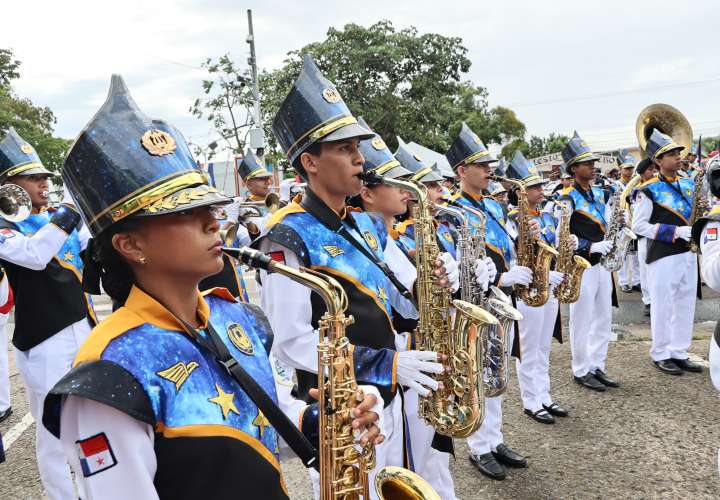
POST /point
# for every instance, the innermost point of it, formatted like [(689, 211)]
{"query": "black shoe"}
[(684, 364), (667, 366), (591, 382), (506, 456), (542, 416), (488, 466), (5, 414), (557, 410), (646, 312), (604, 379), (637, 288), (626, 288)]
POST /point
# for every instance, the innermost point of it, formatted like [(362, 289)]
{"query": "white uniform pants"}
[(489, 435), (673, 285), (40, 368), (533, 370), (629, 274), (389, 452), (4, 366), (591, 321), (432, 465), (715, 372), (642, 254)]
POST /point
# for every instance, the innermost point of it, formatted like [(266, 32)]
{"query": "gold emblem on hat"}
[(331, 95), (158, 142), (240, 339), (26, 148), (378, 143)]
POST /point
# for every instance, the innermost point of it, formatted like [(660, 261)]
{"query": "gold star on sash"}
[(178, 373), (261, 422), (225, 401), (381, 293), (68, 256)]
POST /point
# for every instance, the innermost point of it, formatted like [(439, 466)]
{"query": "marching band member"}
[(661, 215), (5, 407), (590, 316), (629, 274), (471, 161), (646, 170), (257, 180), (41, 255), (539, 324), (320, 137), (153, 407)]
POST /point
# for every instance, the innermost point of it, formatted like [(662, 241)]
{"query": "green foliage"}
[(536, 146), (402, 82), (227, 98), (35, 124)]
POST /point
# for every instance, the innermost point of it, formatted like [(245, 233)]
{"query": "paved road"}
[(655, 437)]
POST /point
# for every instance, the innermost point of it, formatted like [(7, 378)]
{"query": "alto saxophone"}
[(532, 253), (453, 410), (344, 465), (618, 234), (573, 266), (700, 205), (495, 363)]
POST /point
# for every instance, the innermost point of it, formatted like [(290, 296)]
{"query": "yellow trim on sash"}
[(684, 219), (592, 218), (291, 208)]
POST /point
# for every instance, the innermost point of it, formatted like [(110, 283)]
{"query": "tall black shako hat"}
[(522, 169), (420, 170), (17, 157), (467, 149), (313, 112), (659, 143), (576, 151), (125, 164), (378, 157), (251, 167)]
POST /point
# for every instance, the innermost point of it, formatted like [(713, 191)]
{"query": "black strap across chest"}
[(315, 207), (481, 206)]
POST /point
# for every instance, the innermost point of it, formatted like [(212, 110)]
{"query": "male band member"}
[(471, 161), (539, 323), (646, 170), (590, 316), (320, 137), (41, 255), (661, 215), (5, 407), (629, 274)]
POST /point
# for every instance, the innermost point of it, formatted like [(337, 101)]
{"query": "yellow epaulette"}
[(402, 227), (291, 208), (566, 190), (647, 182), (105, 332)]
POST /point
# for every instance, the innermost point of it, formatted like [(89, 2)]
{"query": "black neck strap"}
[(328, 218)]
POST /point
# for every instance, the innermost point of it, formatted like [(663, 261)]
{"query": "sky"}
[(560, 65)]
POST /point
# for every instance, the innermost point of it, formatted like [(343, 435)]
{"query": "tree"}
[(402, 82), (227, 102), (536, 146), (35, 124)]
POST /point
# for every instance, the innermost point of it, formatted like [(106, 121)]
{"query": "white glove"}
[(410, 368), (377, 409), (601, 247), (452, 273), (517, 275), (683, 233), (401, 341), (575, 241), (482, 277), (492, 270), (556, 278), (535, 229)]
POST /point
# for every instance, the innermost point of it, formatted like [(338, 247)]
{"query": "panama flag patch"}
[(95, 454), (711, 234)]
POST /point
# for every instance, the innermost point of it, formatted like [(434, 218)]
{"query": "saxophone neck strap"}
[(318, 209)]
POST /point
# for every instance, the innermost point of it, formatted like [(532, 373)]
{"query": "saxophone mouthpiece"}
[(250, 257)]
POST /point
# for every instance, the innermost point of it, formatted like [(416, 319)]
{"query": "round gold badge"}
[(158, 142), (378, 143), (331, 95), (26, 148), (240, 339)]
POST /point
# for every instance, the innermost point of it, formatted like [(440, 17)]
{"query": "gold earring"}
[(142, 260)]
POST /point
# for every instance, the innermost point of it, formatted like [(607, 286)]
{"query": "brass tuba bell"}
[(667, 120)]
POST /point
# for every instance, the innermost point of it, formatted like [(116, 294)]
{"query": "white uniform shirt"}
[(35, 252), (642, 210)]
